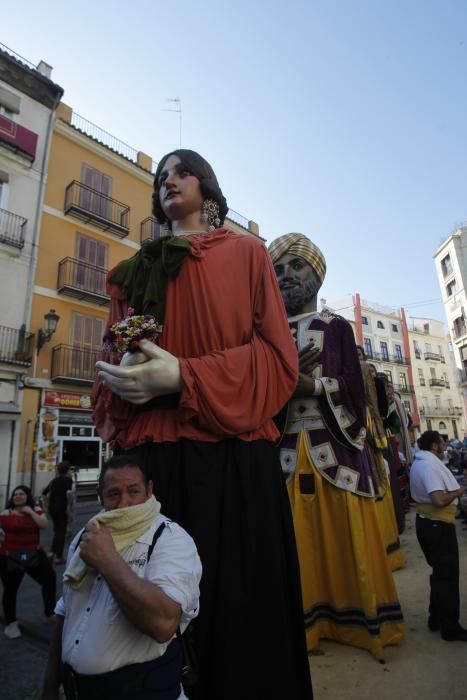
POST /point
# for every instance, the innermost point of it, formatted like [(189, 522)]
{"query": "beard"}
[(296, 298)]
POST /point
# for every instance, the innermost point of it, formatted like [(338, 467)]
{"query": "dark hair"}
[(427, 438), (27, 491), (359, 347), (207, 179), (63, 467), (120, 461)]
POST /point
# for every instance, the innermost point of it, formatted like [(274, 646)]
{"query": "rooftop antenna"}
[(177, 102)]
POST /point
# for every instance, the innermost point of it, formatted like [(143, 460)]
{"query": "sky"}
[(341, 119)]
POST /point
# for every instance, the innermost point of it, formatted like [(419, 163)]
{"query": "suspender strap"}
[(157, 534)]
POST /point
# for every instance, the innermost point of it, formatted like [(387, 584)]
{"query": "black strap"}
[(157, 534)]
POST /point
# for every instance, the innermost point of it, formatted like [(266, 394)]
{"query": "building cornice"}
[(29, 81)]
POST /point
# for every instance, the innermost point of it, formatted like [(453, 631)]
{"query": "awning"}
[(9, 411)]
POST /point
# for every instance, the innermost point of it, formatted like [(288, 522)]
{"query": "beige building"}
[(416, 356)]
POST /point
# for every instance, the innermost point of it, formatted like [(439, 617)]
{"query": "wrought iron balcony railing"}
[(150, 230), (434, 356), (12, 229), (404, 388), (73, 365), (386, 357), (82, 280), (442, 410), (434, 381), (16, 346), (91, 206)]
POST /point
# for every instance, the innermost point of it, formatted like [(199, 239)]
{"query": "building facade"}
[(28, 100), (97, 212), (451, 269), (416, 357)]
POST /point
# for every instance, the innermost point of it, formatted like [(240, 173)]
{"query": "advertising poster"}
[(47, 443)]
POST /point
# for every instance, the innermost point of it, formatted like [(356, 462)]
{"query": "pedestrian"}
[(21, 553), (436, 494), (132, 580), (58, 497), (348, 588), (200, 413)]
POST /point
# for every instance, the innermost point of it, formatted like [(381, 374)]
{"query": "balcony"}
[(434, 381), (93, 207), (72, 365), (386, 357), (82, 281), (12, 229), (404, 388), (434, 356), (442, 410), (16, 346), (17, 139), (150, 230)]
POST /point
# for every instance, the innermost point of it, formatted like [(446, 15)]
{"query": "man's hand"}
[(97, 547), (138, 384), (307, 358)]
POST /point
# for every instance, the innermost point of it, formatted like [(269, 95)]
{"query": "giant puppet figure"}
[(199, 412), (347, 585)]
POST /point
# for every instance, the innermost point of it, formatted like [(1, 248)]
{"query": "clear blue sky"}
[(342, 119)]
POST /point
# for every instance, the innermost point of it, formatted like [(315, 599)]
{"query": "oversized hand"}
[(307, 358), (97, 547), (305, 386), (140, 383)]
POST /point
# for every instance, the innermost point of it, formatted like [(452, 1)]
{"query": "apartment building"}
[(28, 99), (436, 382), (416, 356), (97, 211)]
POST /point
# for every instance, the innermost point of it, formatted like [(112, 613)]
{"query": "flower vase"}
[(133, 358)]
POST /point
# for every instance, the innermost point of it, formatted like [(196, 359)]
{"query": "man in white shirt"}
[(122, 604), (436, 494)]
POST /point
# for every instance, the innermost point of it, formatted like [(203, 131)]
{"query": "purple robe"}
[(334, 420)]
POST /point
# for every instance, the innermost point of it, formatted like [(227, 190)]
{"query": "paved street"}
[(424, 667)]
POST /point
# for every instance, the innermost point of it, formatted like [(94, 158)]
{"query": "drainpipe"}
[(10, 465)]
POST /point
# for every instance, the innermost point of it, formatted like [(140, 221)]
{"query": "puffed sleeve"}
[(236, 390)]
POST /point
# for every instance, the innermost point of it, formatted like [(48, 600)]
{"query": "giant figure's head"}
[(300, 270), (183, 181)]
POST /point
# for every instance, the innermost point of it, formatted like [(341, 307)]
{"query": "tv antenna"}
[(177, 103)]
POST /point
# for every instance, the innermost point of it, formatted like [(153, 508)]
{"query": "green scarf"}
[(144, 277)]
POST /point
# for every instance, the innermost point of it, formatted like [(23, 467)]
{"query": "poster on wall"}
[(47, 443)]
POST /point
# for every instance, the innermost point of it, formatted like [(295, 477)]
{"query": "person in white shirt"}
[(436, 494), (115, 633)]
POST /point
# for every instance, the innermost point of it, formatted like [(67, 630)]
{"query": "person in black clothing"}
[(57, 494)]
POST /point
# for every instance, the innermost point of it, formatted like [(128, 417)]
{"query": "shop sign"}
[(47, 443), (62, 399)]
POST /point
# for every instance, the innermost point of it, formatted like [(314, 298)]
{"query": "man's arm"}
[(52, 671), (440, 499), (145, 605)]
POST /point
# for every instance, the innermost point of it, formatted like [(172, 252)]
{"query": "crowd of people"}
[(258, 484)]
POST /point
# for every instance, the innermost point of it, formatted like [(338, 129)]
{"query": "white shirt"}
[(97, 637), (429, 474)]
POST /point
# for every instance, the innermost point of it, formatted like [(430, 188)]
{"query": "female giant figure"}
[(200, 411)]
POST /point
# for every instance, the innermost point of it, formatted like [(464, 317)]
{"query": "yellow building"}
[(97, 211)]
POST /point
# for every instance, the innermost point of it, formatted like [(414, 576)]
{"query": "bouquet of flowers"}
[(124, 336)]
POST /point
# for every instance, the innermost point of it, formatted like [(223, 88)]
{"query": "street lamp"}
[(43, 336)]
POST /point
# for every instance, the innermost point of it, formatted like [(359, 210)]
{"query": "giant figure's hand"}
[(138, 384), (306, 386), (307, 357)]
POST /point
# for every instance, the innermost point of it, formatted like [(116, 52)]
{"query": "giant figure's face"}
[(298, 282), (179, 190)]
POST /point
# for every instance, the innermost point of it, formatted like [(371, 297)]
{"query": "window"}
[(437, 402), (450, 403), (367, 347), (384, 349), (428, 424), (427, 347), (403, 380), (451, 288), (95, 198), (454, 428), (91, 275), (394, 328), (380, 324), (446, 266), (442, 425), (398, 350), (417, 351), (421, 378), (432, 372), (86, 339), (408, 407), (388, 374), (364, 321)]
